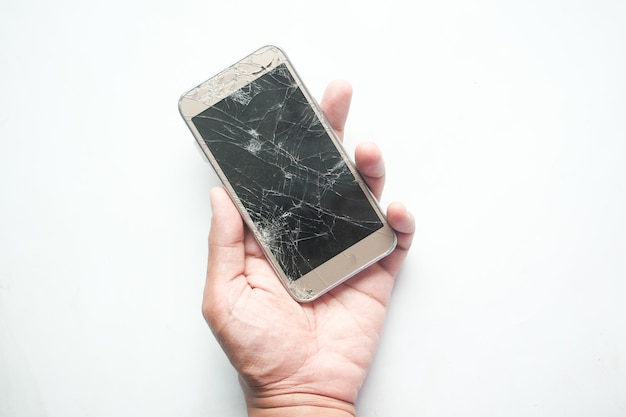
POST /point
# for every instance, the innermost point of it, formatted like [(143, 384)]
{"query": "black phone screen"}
[(299, 192)]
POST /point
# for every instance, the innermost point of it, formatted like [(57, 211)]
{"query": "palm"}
[(324, 347)]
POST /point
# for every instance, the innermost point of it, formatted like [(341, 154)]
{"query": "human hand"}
[(292, 358)]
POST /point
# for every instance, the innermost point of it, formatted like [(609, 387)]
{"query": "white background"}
[(503, 124)]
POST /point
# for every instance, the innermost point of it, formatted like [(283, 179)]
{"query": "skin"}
[(299, 359)]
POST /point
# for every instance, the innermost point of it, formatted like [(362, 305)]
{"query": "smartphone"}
[(287, 172)]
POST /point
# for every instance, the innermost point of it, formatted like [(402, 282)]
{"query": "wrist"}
[(299, 404)]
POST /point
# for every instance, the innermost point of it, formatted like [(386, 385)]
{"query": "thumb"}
[(226, 254)]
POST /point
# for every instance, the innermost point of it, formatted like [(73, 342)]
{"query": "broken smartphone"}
[(286, 171)]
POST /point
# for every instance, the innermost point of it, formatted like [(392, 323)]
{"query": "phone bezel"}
[(335, 270)]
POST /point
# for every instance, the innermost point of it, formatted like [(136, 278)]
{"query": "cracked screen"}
[(302, 197)]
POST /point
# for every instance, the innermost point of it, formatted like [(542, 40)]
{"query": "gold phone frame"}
[(335, 270)]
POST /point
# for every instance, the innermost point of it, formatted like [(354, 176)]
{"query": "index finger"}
[(336, 104)]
